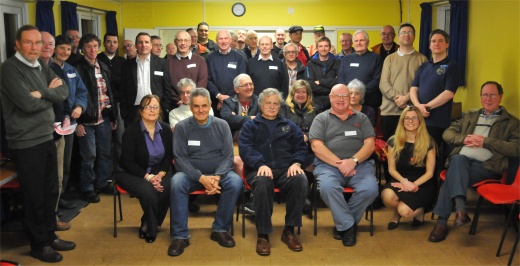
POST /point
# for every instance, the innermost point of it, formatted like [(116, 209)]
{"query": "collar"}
[(180, 57), (498, 112), (403, 54), (158, 127), (36, 63), (350, 112), (226, 52), (260, 58), (145, 60)]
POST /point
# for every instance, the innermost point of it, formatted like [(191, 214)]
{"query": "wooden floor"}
[(92, 232)]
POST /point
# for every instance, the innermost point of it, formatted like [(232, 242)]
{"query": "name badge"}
[(233, 66), (99, 76), (354, 64), (193, 142), (191, 65), (71, 75), (158, 73), (273, 67), (350, 133)]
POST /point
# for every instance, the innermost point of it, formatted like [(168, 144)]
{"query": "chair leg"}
[(298, 230), (315, 210), (115, 213), (505, 228), (372, 219), (473, 227), (514, 245), (243, 218)]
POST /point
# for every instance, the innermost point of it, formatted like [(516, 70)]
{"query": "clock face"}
[(238, 9)]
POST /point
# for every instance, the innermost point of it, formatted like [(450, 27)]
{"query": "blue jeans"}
[(462, 173), (230, 188), (331, 183), (95, 149)]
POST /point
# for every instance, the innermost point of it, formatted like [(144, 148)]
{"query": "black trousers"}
[(37, 169), (296, 189)]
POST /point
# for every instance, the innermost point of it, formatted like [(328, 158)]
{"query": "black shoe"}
[(307, 207), (338, 235), (108, 189), (416, 223), (142, 233), (91, 197), (393, 225), (59, 213), (66, 205), (47, 254), (62, 245), (150, 239), (223, 238), (349, 238), (177, 247), (248, 207)]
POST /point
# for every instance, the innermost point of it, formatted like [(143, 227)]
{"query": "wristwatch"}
[(218, 96), (355, 160)]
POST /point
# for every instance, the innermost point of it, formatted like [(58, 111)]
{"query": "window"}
[(89, 21), (443, 17)]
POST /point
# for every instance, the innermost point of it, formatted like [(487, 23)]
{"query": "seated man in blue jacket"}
[(273, 150)]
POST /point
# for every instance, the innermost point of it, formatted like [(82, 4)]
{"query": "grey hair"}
[(237, 79), (358, 85), (292, 44), (361, 31), (269, 92), (199, 92), (251, 32), (185, 82), (233, 35)]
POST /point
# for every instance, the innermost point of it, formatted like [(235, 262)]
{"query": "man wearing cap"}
[(387, 45), (319, 31), (295, 34)]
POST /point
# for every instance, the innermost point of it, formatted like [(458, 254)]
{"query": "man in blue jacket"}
[(273, 150)]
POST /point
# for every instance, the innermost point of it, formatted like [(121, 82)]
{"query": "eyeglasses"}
[(291, 52), (128, 45), (185, 92), (30, 43), (183, 40), (411, 119), (246, 85), (74, 37), (149, 107), (492, 96), (340, 96), (157, 45), (406, 33), (387, 34)]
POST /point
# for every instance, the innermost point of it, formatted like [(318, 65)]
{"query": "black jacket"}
[(236, 120), (324, 71), (87, 73)]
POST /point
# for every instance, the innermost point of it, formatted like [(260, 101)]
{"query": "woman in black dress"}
[(411, 162)]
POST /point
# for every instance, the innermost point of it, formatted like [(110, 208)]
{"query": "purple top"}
[(155, 146)]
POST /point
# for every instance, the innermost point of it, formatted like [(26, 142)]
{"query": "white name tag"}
[(273, 67), (99, 76), (191, 65), (71, 75), (354, 64), (350, 133), (233, 66), (158, 73), (193, 142)]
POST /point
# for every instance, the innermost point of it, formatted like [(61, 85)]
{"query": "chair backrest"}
[(517, 178), (381, 149)]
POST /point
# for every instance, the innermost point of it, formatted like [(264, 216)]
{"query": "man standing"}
[(223, 66), (196, 47), (346, 44), (241, 42), (251, 50), (28, 90), (171, 49), (319, 31), (483, 142), (267, 71), (280, 42), (295, 68), (75, 55), (147, 74), (273, 150), (434, 86), (156, 45), (295, 34), (365, 66), (396, 79), (322, 71), (203, 154), (387, 45), (129, 49), (202, 31), (185, 64), (47, 47), (343, 141)]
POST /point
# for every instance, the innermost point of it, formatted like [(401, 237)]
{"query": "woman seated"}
[(411, 161), (146, 165), (357, 94), (300, 109)]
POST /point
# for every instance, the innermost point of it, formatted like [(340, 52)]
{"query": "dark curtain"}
[(459, 35), (111, 22), (426, 29), (45, 17), (69, 17)]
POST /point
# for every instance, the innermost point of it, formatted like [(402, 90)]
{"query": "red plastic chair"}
[(499, 194)]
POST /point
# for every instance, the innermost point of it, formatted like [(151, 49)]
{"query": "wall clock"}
[(238, 9)]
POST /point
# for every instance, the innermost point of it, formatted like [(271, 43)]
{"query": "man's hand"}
[(295, 169), (36, 94), (265, 171), (65, 123), (346, 166), (80, 130), (401, 101), (474, 141), (56, 82), (210, 183), (317, 82), (222, 97), (76, 113), (113, 125), (422, 108)]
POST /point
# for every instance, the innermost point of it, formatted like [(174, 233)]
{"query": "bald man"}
[(387, 45)]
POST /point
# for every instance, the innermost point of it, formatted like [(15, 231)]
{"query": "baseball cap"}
[(319, 28)]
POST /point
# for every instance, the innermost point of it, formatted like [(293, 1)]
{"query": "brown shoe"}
[(291, 241), (263, 248), (438, 233), (62, 226), (461, 218)]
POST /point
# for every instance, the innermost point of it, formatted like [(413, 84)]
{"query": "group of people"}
[(297, 118)]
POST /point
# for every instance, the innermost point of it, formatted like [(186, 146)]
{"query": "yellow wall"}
[(493, 49)]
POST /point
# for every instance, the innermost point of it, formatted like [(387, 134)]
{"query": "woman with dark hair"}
[(411, 162), (146, 165)]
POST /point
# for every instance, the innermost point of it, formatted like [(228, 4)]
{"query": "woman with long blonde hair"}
[(411, 162)]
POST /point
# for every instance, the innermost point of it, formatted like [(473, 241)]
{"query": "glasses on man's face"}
[(185, 92), (128, 45), (246, 85), (30, 43), (340, 96), (157, 45), (411, 119), (74, 37), (150, 107), (406, 33), (291, 52), (387, 34), (486, 96)]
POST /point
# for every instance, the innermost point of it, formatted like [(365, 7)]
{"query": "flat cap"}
[(295, 28)]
